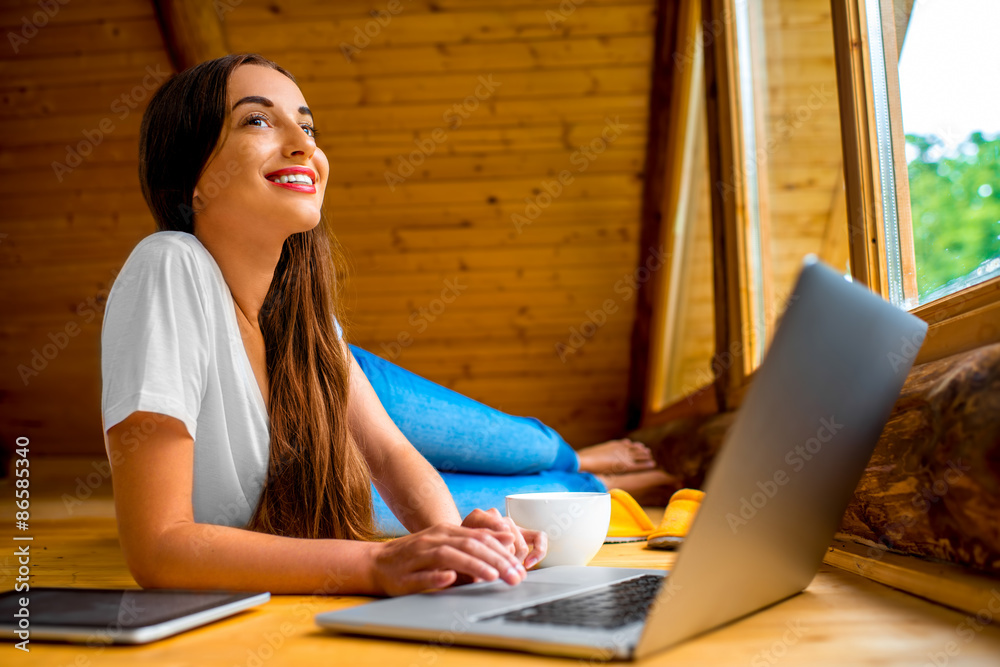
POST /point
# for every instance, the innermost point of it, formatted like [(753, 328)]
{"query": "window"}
[(792, 165), (674, 365), (921, 174), (778, 196), (949, 88), (819, 142), (776, 192), (687, 342)]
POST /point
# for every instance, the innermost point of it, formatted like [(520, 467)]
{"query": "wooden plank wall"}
[(449, 222), (72, 93), (556, 78)]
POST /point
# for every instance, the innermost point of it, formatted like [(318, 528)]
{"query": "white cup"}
[(576, 522)]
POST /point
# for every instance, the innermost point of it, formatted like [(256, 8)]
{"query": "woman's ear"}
[(197, 203)]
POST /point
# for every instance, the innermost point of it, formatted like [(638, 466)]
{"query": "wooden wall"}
[(67, 233), (560, 76)]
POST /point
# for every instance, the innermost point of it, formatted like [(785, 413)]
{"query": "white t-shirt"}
[(171, 345)]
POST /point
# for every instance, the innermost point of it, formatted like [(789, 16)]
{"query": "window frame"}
[(684, 107), (959, 322), (737, 343), (662, 190), (737, 295)]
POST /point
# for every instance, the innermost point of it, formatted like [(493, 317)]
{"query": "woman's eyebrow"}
[(263, 101)]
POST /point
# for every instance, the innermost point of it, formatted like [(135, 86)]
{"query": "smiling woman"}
[(222, 328), (243, 220)]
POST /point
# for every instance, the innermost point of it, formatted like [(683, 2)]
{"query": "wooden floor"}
[(841, 618)]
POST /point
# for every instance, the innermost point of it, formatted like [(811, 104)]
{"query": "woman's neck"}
[(248, 268)]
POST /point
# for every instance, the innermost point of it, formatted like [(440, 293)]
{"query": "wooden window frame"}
[(660, 199), (682, 109), (737, 345), (961, 321), (958, 323)]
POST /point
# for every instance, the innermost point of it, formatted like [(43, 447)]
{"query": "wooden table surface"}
[(840, 619)]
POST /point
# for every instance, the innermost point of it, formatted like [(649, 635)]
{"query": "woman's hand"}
[(525, 543), (438, 556)]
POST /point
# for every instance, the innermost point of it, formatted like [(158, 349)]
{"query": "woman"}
[(243, 434)]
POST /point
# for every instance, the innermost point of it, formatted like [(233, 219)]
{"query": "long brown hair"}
[(318, 483)]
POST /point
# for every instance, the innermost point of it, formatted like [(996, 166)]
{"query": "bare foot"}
[(615, 457), (651, 487)]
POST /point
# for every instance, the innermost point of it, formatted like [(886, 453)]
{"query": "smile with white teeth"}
[(291, 178)]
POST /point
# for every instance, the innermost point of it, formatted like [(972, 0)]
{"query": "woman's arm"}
[(152, 475), (407, 482)]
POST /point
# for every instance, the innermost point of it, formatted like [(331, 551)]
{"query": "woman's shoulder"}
[(167, 261), (169, 244), (168, 252)]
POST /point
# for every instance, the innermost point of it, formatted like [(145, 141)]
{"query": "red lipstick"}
[(308, 188)]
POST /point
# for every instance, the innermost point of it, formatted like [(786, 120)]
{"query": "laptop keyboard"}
[(610, 607)]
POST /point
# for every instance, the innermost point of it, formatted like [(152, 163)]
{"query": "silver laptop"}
[(774, 499)]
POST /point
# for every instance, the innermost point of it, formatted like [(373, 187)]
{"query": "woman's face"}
[(269, 136)]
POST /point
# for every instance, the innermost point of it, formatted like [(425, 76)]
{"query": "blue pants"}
[(482, 454)]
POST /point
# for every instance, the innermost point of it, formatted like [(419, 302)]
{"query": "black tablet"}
[(114, 615)]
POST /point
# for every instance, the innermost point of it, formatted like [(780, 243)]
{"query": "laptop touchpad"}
[(495, 594), (523, 590)]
